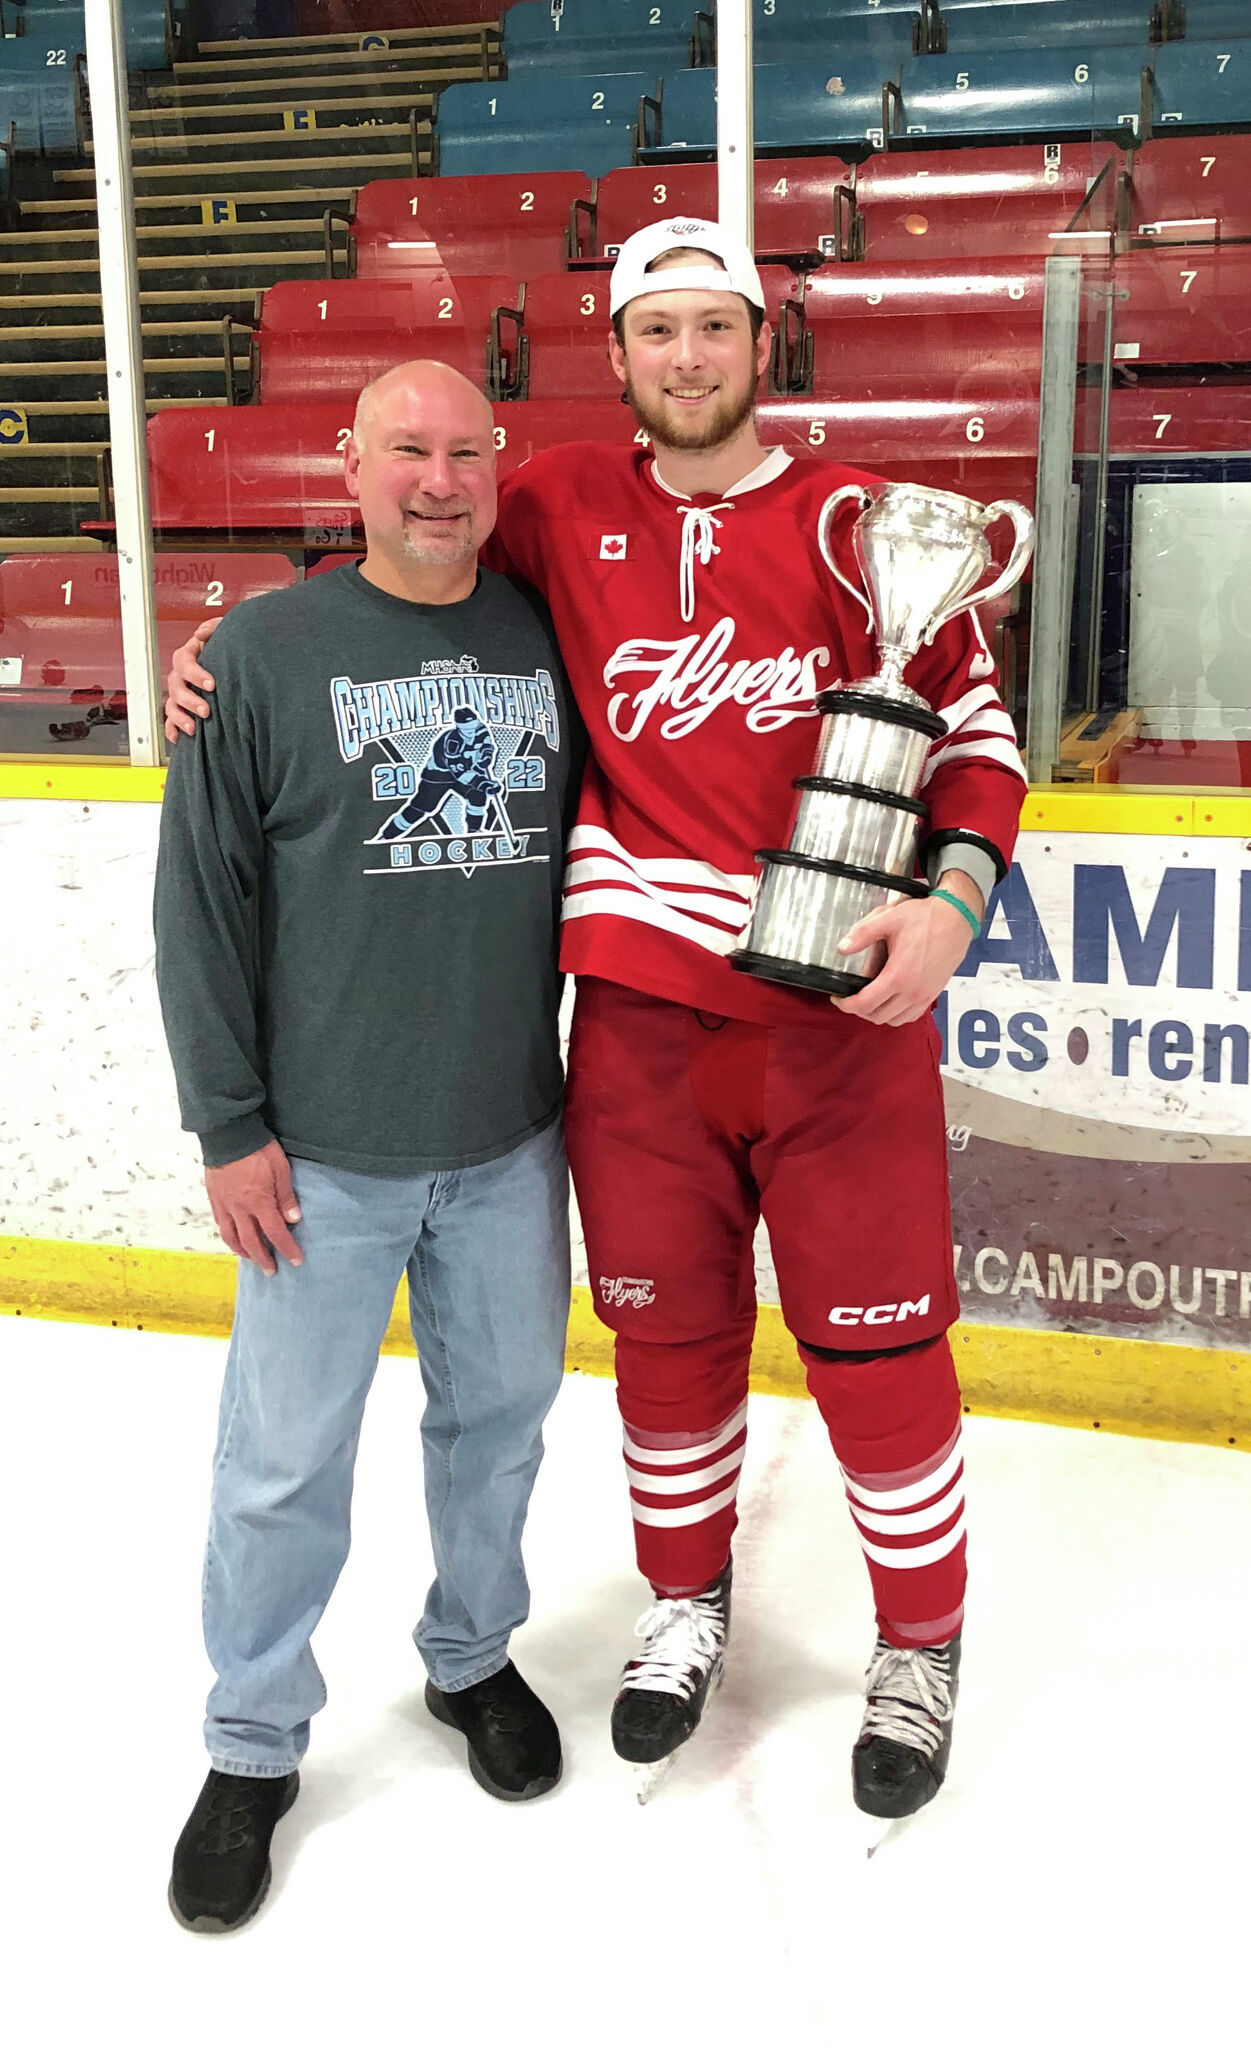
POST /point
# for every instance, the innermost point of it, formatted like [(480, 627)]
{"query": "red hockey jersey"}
[(697, 633)]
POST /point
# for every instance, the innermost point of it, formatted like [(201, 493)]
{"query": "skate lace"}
[(909, 1696), (682, 1641), (229, 1822)]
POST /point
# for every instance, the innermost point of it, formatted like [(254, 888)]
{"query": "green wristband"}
[(964, 909)]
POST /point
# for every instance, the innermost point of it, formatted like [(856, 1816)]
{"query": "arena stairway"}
[(246, 156)]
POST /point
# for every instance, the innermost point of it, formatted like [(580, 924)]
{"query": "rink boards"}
[(1096, 1054)]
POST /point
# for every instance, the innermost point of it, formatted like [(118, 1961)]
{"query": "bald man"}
[(357, 909)]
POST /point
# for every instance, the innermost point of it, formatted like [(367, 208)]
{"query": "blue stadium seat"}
[(792, 32), (1023, 92), (543, 102), (832, 15), (1202, 85), (546, 123), (56, 27), (1047, 24), (688, 110), (1206, 19), (608, 35), (797, 106)]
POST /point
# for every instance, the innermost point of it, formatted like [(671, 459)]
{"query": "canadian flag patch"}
[(612, 547)]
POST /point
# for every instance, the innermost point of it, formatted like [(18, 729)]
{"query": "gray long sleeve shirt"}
[(358, 885)]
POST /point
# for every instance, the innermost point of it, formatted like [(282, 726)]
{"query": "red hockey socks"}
[(684, 1411), (894, 1422)]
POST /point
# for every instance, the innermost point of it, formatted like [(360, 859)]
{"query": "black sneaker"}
[(665, 1688), (221, 1862), (900, 1758), (514, 1744)]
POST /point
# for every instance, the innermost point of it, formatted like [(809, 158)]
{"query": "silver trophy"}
[(853, 847)]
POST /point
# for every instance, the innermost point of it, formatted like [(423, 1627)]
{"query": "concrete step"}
[(269, 116), (257, 48)]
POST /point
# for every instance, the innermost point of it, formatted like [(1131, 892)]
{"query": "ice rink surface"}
[(1083, 1877)]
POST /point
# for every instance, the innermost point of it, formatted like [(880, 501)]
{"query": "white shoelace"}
[(909, 1697), (698, 527), (682, 1641)]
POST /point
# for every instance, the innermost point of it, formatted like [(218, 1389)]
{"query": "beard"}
[(720, 424), (432, 550)]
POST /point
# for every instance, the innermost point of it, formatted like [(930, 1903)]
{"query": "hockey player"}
[(460, 765), (698, 621)]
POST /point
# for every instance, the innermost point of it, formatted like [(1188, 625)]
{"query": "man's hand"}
[(182, 706), (925, 940), (253, 1201)]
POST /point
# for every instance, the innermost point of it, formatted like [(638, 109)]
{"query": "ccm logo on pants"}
[(882, 1312)]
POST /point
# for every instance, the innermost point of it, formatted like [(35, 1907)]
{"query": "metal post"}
[(736, 188), (123, 356), (1094, 637), (1052, 598)]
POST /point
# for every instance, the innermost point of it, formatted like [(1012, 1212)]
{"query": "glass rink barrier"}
[(978, 308)]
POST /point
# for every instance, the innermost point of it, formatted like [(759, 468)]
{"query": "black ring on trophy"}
[(797, 974), (865, 705), (786, 857), (802, 974), (833, 787)]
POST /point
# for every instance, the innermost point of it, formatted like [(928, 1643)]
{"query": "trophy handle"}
[(837, 498), (1022, 548)]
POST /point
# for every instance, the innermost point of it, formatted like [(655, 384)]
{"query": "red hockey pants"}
[(682, 1129)]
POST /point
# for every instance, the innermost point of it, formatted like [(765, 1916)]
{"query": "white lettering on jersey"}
[(627, 1292), (695, 679)]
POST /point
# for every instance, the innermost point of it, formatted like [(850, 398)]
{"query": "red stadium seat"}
[(567, 324), (1171, 419), (1192, 188), (1184, 305), (61, 626), (326, 339), (1015, 201), (471, 226), (954, 329), (524, 428), (252, 468), (278, 469), (795, 204), (946, 444)]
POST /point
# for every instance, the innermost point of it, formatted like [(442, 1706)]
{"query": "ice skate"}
[(664, 1690), (900, 1758)]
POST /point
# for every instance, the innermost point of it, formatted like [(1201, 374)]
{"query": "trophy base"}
[(798, 974)]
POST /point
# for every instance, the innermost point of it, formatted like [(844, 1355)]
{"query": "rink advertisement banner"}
[(1096, 1051)]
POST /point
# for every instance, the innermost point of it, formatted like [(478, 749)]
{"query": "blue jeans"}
[(486, 1250)]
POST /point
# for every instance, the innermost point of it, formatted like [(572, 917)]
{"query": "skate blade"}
[(648, 1778), (875, 1832)]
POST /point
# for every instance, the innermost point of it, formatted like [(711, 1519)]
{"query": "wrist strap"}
[(973, 920)]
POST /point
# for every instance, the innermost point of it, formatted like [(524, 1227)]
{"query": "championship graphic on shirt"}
[(456, 761)]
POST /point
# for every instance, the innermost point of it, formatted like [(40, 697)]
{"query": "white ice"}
[(1081, 1879)]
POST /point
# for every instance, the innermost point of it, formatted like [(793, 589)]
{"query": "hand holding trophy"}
[(853, 847)]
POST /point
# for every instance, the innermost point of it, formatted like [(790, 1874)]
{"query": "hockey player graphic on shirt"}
[(459, 764)]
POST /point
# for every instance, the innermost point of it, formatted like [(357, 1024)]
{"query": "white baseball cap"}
[(631, 278)]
